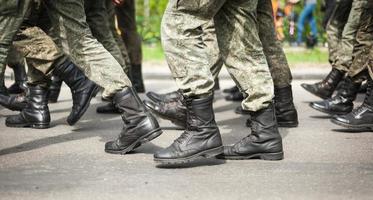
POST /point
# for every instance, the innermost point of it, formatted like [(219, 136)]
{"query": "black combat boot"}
[(163, 97), (82, 89), (264, 142), (201, 137), (140, 126), (136, 78), (231, 90), (109, 108), (170, 109), (3, 89), (20, 77), (54, 89), (36, 113), (326, 87), (286, 113), (360, 118), (216, 84), (342, 102), (236, 96), (13, 102)]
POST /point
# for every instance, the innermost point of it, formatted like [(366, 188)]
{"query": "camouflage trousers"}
[(362, 52), (347, 42), (76, 41), (272, 47), (341, 30), (11, 15), (238, 41), (98, 20)]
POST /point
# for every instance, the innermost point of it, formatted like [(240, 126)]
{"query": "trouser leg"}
[(348, 37), (335, 27), (97, 63), (97, 19), (272, 48)]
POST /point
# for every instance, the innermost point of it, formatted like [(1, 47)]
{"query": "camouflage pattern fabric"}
[(335, 28), (76, 40), (364, 43), (11, 17), (347, 42), (272, 47), (239, 45), (98, 21)]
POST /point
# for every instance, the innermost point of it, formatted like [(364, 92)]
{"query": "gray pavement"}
[(63, 162)]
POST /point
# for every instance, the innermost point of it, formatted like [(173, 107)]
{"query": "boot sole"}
[(86, 106), (355, 127), (29, 125), (204, 154), (327, 112), (262, 156), (142, 140)]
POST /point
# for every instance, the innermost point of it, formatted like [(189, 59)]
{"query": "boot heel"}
[(272, 156), (213, 152)]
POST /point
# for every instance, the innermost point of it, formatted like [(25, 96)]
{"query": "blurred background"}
[(310, 53)]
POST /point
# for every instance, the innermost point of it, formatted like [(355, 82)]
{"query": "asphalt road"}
[(321, 160)]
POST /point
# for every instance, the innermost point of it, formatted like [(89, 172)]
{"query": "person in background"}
[(307, 16)]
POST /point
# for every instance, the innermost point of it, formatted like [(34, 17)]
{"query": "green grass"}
[(294, 55)]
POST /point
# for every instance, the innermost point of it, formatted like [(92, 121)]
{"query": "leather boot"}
[(360, 118), (326, 87), (342, 102), (140, 126), (109, 108), (82, 89), (264, 142), (201, 137), (170, 109), (237, 96), (13, 102), (286, 113), (137, 80), (231, 90), (36, 113), (163, 97), (216, 84), (3, 89), (54, 89), (20, 77)]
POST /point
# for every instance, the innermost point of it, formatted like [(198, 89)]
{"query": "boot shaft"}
[(200, 112), (37, 98), (264, 124), (129, 103), (334, 77), (349, 89), (71, 75), (369, 94)]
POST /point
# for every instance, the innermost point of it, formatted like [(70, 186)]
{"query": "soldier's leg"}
[(325, 88), (345, 47), (100, 66), (126, 14), (11, 17), (112, 20), (17, 63), (242, 52), (285, 110), (97, 19), (362, 116)]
